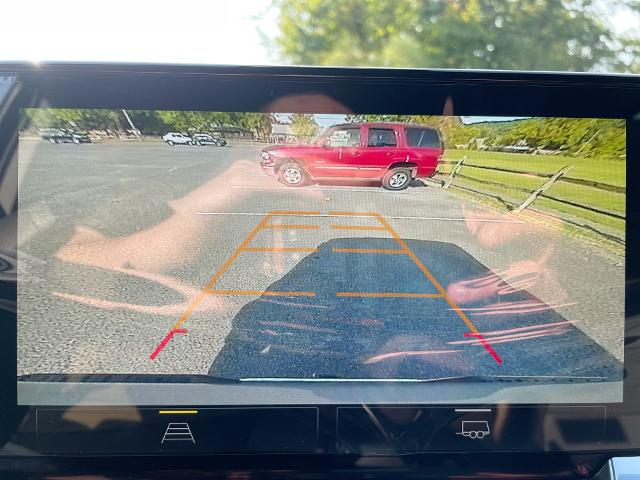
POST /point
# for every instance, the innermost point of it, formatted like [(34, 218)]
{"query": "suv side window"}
[(382, 137), (422, 137), (345, 137)]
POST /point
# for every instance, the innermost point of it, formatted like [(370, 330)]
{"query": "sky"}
[(188, 31), (327, 119)]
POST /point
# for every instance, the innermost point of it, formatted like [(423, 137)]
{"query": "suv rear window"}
[(381, 137), (422, 137)]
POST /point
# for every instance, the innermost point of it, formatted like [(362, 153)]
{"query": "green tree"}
[(259, 123), (493, 34), (451, 128), (84, 119), (303, 125), (588, 137)]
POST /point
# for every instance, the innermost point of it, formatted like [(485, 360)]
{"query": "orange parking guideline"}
[(280, 249), (203, 293), (267, 293), (454, 306), (384, 251), (388, 295), (264, 223), (425, 271), (208, 288), (428, 274)]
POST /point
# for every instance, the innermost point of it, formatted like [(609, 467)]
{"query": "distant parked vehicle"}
[(80, 137), (54, 135), (59, 135), (390, 152), (516, 149), (173, 138), (204, 139)]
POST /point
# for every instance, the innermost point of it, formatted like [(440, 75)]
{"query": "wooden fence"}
[(463, 170)]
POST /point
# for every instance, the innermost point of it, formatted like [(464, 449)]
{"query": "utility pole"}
[(136, 132)]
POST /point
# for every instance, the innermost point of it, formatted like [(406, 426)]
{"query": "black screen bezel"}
[(362, 91)]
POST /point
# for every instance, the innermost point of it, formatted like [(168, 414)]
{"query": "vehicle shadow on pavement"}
[(368, 310), (342, 182)]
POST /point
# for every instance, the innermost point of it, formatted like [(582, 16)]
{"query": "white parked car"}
[(173, 138)]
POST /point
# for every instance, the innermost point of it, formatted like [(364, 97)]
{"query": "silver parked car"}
[(173, 138)]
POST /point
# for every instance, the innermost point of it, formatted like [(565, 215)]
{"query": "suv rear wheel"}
[(292, 174), (397, 179)]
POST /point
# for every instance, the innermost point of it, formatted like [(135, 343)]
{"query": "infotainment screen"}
[(279, 258)]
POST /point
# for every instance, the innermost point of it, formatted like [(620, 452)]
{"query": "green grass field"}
[(612, 172)]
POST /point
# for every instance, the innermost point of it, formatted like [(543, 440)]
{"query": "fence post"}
[(545, 186), (453, 173)]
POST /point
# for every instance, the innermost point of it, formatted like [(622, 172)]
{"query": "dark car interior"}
[(184, 312)]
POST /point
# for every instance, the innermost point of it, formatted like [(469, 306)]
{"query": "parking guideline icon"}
[(178, 432), (474, 429)]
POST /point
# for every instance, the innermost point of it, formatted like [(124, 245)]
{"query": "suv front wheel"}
[(292, 175), (397, 179)]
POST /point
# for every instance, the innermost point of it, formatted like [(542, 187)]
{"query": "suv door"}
[(336, 156), (381, 150)]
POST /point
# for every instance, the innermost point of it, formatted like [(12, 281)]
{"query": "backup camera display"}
[(481, 257)]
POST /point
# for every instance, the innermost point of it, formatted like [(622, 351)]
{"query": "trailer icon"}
[(475, 429)]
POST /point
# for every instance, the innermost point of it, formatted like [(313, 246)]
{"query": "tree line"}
[(148, 122), (588, 137), (561, 35)]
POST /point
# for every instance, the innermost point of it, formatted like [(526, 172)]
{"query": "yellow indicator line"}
[(291, 226), (260, 293), (385, 251), (279, 249), (388, 295), (178, 412), (355, 227)]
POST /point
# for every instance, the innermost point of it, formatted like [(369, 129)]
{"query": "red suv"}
[(394, 153)]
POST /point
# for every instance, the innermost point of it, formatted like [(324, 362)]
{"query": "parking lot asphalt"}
[(144, 258)]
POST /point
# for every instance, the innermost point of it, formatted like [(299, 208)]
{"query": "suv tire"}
[(396, 179), (170, 142), (292, 175)]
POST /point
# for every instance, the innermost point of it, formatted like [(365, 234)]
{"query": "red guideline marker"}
[(486, 345), (165, 341)]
